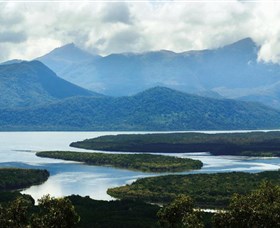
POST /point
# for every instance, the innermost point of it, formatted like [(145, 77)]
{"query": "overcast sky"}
[(30, 29)]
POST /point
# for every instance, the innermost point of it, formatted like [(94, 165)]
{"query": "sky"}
[(29, 29)]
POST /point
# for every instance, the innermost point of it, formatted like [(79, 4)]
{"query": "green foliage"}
[(155, 109), (247, 144), (50, 213), (114, 214), (6, 197), (207, 190), (14, 178), (179, 213), (27, 84), (260, 208), (16, 213), (143, 162), (55, 213)]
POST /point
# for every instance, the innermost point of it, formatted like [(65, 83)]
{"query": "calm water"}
[(17, 149)]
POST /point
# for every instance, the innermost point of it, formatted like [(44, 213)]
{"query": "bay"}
[(17, 149)]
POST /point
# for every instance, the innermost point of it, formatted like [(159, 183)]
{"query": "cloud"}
[(32, 29), (12, 37), (4, 52), (124, 41), (10, 29), (117, 12)]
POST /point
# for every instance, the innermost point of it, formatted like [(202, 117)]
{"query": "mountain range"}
[(27, 84), (232, 71), (34, 97), (158, 108), (75, 63)]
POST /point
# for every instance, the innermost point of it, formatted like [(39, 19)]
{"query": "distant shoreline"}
[(139, 162), (256, 144)]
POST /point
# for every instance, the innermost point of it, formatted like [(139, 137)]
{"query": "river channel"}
[(17, 149)]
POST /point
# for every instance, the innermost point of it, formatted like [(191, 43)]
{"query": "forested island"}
[(244, 144), (207, 190), (142, 162), (14, 178)]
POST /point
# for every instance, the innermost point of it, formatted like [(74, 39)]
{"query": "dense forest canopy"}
[(142, 162), (207, 190), (14, 178), (247, 144)]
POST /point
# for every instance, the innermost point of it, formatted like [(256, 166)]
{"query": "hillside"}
[(155, 109), (12, 61), (232, 71), (26, 84), (71, 61)]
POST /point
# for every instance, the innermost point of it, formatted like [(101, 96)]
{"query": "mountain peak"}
[(12, 61), (62, 58), (243, 44), (68, 52), (27, 84), (158, 89), (68, 46), (165, 91)]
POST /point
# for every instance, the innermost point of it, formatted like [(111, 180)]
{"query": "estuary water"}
[(17, 149)]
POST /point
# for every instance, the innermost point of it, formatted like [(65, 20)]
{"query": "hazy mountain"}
[(155, 109), (266, 95), (32, 83), (12, 61), (72, 64), (65, 55), (224, 71)]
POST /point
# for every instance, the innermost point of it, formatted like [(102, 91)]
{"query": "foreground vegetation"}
[(180, 213), (207, 190), (259, 208), (247, 144), (50, 212), (142, 162), (14, 178), (114, 214), (76, 211), (19, 211)]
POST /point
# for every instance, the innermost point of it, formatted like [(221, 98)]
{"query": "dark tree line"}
[(260, 208), (50, 213)]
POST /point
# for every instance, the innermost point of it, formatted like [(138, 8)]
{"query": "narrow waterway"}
[(17, 149)]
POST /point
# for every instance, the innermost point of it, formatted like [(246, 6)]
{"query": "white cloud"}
[(34, 28)]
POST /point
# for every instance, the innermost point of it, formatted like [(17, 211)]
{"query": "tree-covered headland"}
[(207, 190), (246, 144), (14, 178), (142, 162)]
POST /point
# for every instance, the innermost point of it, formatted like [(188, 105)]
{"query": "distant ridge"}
[(155, 109), (69, 52), (11, 62), (28, 84), (223, 71), (245, 45), (68, 60)]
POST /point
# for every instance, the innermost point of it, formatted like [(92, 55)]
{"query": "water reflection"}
[(17, 149), (67, 179)]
